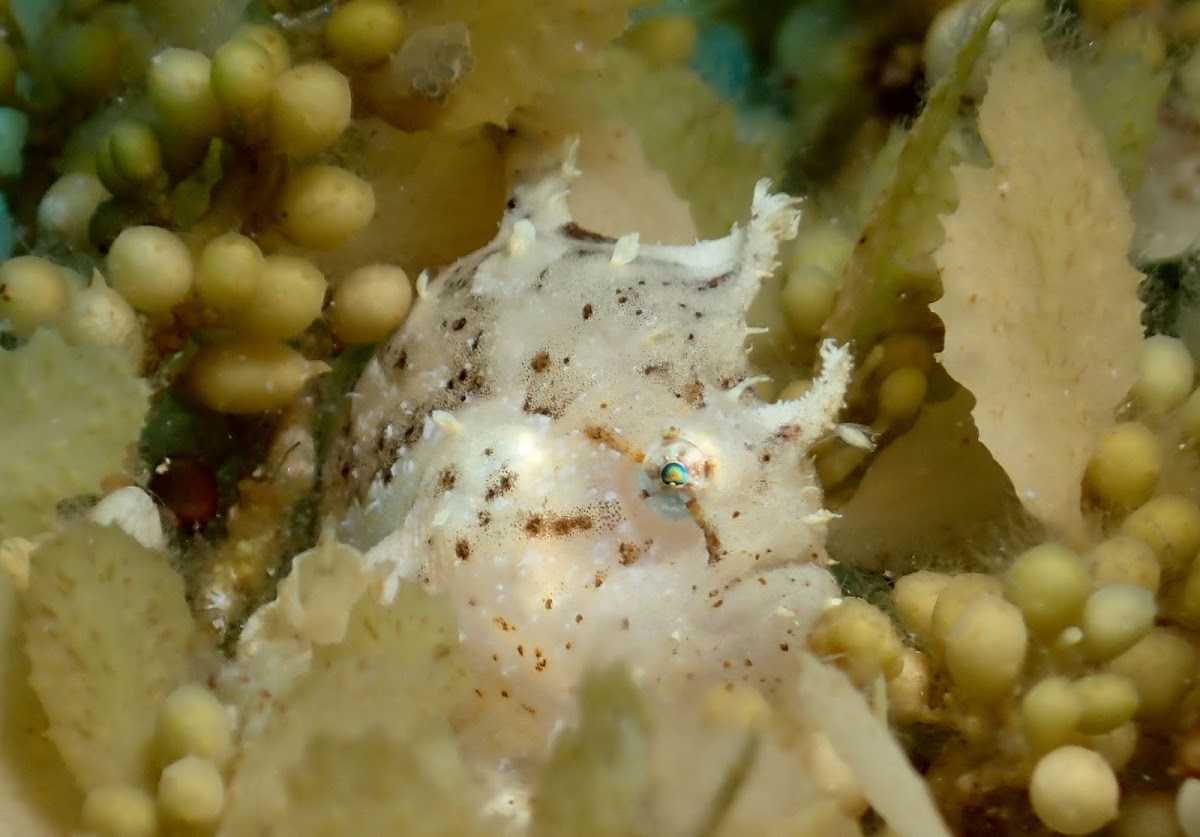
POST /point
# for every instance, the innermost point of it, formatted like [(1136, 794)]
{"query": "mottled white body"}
[(506, 445)]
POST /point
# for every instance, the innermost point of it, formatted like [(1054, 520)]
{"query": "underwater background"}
[(226, 225)]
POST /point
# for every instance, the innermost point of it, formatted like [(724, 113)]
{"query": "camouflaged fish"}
[(564, 437)]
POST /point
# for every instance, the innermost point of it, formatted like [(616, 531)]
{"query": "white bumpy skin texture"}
[(563, 438)]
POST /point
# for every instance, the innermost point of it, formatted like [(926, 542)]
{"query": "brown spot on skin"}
[(693, 393), (446, 479), (549, 604), (629, 553), (458, 324), (578, 618), (612, 441), (587, 311), (783, 646), (598, 581), (529, 709), (716, 281), (521, 650), (501, 487), (540, 362), (712, 543), (653, 368), (540, 665), (539, 409), (462, 549), (718, 603), (503, 624), (625, 624), (569, 524), (535, 526), (573, 230), (484, 518), (504, 693), (401, 361)]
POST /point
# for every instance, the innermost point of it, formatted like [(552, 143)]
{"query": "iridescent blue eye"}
[(675, 473)]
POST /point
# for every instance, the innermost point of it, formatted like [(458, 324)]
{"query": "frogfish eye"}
[(675, 473), (676, 466)]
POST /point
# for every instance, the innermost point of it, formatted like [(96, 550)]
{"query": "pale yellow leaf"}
[(107, 632), (481, 59), (1040, 304)]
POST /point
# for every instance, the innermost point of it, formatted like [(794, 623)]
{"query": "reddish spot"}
[(188, 487)]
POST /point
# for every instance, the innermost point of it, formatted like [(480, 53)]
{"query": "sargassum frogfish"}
[(564, 437)]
